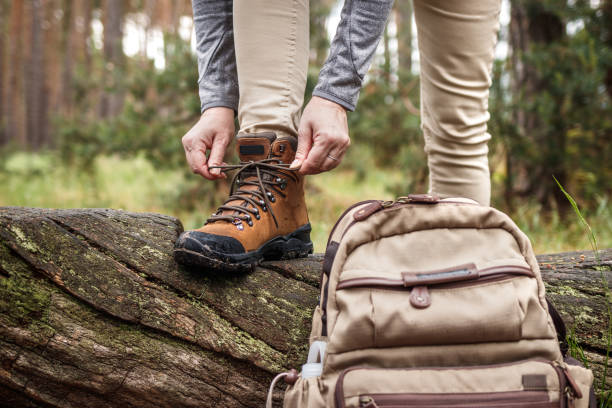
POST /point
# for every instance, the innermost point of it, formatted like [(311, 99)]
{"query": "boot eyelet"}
[(279, 180), (272, 199), (264, 208), (257, 216), (250, 223)]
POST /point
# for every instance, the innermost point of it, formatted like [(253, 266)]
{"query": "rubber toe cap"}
[(204, 243)]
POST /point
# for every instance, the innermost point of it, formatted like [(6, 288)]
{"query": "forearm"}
[(361, 27), (218, 80)]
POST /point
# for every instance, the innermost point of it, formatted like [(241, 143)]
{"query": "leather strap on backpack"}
[(560, 327)]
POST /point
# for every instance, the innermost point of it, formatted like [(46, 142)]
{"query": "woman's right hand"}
[(213, 132)]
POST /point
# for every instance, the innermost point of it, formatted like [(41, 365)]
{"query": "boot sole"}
[(294, 245)]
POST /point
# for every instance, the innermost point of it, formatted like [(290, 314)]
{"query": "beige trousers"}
[(271, 41), (456, 45)]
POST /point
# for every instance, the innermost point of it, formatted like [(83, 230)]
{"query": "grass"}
[(41, 180), (605, 396)]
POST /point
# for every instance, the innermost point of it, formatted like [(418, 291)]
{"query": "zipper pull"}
[(576, 390), (370, 209), (573, 390), (367, 402), (419, 198), (379, 205)]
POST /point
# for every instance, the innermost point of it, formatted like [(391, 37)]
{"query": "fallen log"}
[(94, 312)]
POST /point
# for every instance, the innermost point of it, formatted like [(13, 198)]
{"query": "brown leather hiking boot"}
[(264, 217)]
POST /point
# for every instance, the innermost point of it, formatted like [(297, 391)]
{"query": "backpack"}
[(432, 303)]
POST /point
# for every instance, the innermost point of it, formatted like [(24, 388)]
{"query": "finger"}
[(304, 145), (313, 162), (216, 158), (332, 160), (197, 160)]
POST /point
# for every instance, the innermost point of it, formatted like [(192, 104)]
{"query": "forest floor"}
[(134, 184)]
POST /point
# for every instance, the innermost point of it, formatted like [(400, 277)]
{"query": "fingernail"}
[(216, 172), (294, 164)]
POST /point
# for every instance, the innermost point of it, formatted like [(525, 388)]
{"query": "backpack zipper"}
[(346, 212), (482, 399), (479, 275), (568, 389), (382, 206)]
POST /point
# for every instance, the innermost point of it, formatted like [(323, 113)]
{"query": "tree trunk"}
[(4, 7), (36, 125), (94, 312), (404, 37), (319, 41), (68, 26), (111, 101), (533, 24), (81, 31), (387, 58), (606, 9), (14, 106)]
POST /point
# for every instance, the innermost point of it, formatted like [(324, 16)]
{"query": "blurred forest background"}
[(95, 96)]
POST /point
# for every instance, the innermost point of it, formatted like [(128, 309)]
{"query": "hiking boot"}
[(264, 217)]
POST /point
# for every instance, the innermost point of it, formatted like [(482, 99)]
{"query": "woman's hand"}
[(322, 137), (213, 132)]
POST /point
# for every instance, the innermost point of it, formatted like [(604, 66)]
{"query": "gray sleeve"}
[(218, 79), (361, 27)]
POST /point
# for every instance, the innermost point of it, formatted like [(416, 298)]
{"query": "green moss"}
[(24, 300), (565, 290), (23, 239)]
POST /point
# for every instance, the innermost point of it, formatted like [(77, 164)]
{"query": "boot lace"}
[(268, 175)]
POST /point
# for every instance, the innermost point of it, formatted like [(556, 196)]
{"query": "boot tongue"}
[(255, 146), (265, 145)]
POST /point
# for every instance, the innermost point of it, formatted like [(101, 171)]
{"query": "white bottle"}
[(314, 364)]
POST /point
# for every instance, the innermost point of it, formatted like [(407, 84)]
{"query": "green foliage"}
[(563, 102), (390, 131), (587, 227), (160, 106)]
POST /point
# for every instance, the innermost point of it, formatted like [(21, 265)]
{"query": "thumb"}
[(216, 157), (304, 145)]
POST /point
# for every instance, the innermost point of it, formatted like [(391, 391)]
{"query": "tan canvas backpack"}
[(433, 303)]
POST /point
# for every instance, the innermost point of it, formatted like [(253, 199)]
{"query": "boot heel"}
[(294, 245)]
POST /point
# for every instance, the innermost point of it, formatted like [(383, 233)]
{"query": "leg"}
[(456, 45), (265, 216), (271, 42)]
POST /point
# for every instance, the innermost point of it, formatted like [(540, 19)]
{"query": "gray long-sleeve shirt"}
[(361, 27)]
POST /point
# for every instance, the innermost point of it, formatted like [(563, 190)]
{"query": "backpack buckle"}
[(419, 198)]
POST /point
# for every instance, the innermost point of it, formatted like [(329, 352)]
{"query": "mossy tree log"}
[(95, 313)]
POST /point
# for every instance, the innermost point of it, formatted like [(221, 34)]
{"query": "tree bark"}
[(4, 9), (606, 9), (36, 102), (14, 106), (68, 26), (94, 312), (404, 37), (111, 101)]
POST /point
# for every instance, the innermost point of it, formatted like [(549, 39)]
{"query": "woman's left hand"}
[(322, 137)]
